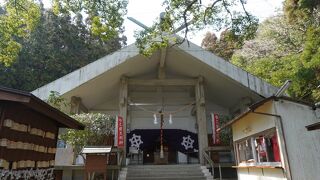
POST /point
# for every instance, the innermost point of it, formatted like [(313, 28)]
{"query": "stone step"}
[(168, 178), (168, 172), (191, 166), (164, 173), (165, 169)]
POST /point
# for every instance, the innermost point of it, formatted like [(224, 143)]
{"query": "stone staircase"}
[(165, 172)]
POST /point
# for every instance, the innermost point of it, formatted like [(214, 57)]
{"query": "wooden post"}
[(123, 110), (201, 118)]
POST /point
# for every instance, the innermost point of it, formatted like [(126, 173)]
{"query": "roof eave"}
[(33, 102)]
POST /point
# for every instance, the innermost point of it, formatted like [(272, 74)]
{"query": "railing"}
[(208, 160), (207, 155)]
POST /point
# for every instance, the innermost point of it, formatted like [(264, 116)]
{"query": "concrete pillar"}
[(201, 118), (123, 110), (76, 106)]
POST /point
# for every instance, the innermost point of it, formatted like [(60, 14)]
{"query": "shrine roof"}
[(99, 81), (36, 104)]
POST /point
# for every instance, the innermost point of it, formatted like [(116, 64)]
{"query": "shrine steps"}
[(166, 172)]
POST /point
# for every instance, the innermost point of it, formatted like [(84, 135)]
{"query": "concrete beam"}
[(162, 82), (162, 69), (77, 106)]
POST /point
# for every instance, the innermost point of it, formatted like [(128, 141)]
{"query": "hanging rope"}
[(165, 113)]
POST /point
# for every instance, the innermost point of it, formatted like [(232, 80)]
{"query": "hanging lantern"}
[(170, 119), (155, 121)]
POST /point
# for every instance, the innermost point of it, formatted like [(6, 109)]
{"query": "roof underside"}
[(98, 82)]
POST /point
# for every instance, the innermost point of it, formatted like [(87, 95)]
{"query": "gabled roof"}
[(32, 102), (184, 60)]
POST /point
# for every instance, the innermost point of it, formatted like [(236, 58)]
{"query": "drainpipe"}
[(282, 142)]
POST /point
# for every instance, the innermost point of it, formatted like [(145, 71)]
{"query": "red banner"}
[(215, 126), (120, 132)]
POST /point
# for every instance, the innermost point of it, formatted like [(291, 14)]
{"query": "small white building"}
[(272, 141)]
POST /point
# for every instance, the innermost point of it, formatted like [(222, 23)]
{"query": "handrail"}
[(208, 159)]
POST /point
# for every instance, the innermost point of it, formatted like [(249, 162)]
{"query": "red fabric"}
[(275, 147)]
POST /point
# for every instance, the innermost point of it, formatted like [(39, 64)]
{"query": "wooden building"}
[(28, 135), (271, 141)]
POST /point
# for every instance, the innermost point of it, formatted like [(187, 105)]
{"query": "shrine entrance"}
[(174, 151), (162, 127), (152, 154)]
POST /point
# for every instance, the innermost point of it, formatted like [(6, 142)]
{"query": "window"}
[(259, 149)]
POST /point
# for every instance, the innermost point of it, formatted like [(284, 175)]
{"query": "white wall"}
[(303, 146), (253, 123)]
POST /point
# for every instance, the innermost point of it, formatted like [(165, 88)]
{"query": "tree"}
[(58, 45), (284, 50), (98, 127), (21, 17), (221, 47), (307, 10), (17, 20), (229, 41), (194, 15)]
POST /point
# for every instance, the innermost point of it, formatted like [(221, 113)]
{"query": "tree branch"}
[(207, 9)]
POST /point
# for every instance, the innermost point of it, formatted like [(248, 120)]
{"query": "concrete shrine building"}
[(128, 84), (183, 85)]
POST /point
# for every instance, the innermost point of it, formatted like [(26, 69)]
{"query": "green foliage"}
[(20, 18), (56, 101), (58, 45), (105, 16), (285, 50), (230, 40), (216, 14), (98, 126), (17, 20), (301, 9), (226, 133)]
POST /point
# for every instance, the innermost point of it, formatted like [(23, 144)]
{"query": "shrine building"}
[(178, 87)]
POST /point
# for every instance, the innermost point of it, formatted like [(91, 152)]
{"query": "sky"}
[(146, 11)]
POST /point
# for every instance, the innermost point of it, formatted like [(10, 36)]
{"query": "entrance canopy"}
[(99, 82)]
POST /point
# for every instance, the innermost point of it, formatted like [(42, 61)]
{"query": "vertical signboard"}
[(215, 126), (120, 140)]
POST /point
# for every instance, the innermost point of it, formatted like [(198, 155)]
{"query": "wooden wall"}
[(28, 139)]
